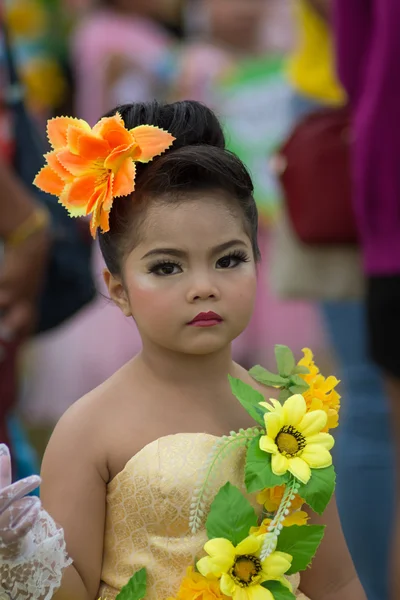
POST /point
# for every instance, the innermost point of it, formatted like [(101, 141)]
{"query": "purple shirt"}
[(368, 55)]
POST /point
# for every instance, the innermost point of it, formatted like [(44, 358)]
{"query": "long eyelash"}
[(239, 255), (160, 263)]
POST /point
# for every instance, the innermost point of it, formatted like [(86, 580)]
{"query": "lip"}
[(206, 319)]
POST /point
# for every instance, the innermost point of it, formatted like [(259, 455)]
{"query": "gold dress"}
[(147, 520)]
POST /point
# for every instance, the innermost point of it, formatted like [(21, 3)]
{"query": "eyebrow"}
[(175, 252)]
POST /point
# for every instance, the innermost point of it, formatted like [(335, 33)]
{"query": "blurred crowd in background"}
[(268, 68)]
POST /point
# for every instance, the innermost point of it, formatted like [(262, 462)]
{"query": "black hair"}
[(197, 161)]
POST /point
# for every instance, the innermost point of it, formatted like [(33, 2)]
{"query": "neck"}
[(196, 371)]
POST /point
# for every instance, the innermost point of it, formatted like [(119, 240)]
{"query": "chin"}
[(207, 345)]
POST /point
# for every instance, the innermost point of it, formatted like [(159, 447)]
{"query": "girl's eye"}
[(230, 261), (165, 268)]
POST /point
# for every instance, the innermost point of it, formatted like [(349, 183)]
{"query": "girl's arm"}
[(74, 492), (332, 575)]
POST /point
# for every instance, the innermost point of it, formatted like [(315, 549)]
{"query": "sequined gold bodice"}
[(147, 519)]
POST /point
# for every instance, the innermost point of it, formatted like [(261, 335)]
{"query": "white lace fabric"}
[(37, 571)]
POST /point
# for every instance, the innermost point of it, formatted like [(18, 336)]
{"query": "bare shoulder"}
[(93, 428)]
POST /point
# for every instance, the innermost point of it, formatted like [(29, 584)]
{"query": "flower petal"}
[(329, 384), (57, 130), (92, 147), (268, 445), (77, 194), (113, 130), (95, 220), (227, 585), (300, 469), (257, 592), (108, 199), (294, 410), (49, 181), (116, 158), (124, 180), (276, 564), (299, 517), (279, 464), (272, 405), (204, 566), (55, 164), (104, 220), (312, 422), (249, 545), (316, 456), (220, 546), (322, 439), (273, 424), (75, 164), (152, 141)]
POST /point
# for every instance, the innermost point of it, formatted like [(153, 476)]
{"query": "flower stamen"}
[(290, 441), (246, 570)]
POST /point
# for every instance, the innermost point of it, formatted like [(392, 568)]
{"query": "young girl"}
[(120, 469)]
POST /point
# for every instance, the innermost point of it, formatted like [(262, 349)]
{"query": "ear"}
[(117, 292)]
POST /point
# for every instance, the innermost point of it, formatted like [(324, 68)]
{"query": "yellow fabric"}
[(147, 517), (311, 68)]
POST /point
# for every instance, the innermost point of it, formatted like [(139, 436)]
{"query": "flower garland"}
[(288, 464)]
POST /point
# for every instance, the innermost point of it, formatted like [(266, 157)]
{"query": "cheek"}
[(246, 293), (148, 298)]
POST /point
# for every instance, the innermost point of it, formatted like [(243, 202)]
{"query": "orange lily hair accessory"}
[(88, 167)]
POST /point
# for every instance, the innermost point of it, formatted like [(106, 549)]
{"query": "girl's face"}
[(190, 283)]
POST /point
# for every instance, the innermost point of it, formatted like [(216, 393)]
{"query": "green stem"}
[(277, 523)]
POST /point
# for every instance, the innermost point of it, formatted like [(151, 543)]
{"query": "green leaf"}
[(258, 471), (278, 590), (266, 377), (284, 395), (285, 360), (297, 385), (299, 381), (136, 587), (301, 370), (249, 398), (301, 542), (231, 515), (319, 490)]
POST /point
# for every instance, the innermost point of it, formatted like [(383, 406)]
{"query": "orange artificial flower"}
[(272, 497), (321, 394), (197, 587), (89, 167), (298, 517)]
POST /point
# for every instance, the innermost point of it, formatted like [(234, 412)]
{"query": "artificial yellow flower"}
[(321, 394), (26, 18), (197, 587), (240, 569), (271, 498), (298, 517), (294, 438)]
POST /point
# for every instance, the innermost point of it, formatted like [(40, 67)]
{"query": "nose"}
[(202, 288)]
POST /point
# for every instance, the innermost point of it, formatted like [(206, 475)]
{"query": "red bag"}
[(316, 180)]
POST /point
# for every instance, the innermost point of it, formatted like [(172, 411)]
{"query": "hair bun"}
[(190, 122)]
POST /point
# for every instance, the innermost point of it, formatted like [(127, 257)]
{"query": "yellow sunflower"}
[(321, 394), (294, 438), (240, 569)]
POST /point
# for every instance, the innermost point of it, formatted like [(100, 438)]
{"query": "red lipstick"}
[(208, 319)]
